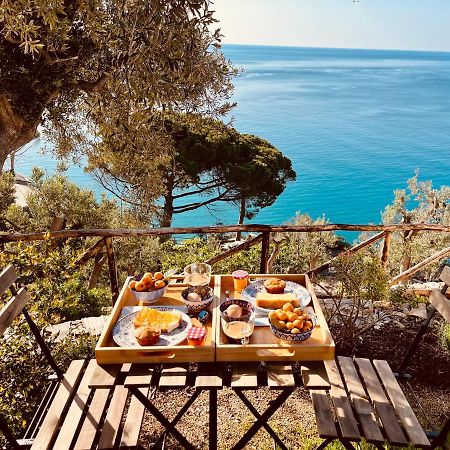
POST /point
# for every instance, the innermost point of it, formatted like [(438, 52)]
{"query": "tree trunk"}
[(15, 132), (166, 220), (242, 211)]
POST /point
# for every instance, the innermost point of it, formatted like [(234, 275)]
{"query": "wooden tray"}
[(108, 352), (264, 346)]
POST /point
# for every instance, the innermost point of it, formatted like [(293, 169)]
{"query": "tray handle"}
[(276, 353), (165, 355)]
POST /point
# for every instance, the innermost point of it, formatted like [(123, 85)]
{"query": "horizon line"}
[(339, 48)]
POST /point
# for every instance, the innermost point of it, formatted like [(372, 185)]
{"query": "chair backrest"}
[(438, 298), (16, 304)]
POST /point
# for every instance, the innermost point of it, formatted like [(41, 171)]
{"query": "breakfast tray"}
[(263, 345), (108, 352)]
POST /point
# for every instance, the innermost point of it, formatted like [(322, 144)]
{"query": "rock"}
[(420, 311), (89, 325)]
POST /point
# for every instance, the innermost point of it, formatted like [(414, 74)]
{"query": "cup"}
[(238, 328), (197, 274)]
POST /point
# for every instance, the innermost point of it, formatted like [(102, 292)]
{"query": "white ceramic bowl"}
[(207, 294), (149, 297)]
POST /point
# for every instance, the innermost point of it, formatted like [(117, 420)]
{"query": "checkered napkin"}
[(196, 333)]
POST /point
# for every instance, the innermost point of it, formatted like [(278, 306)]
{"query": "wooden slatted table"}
[(139, 379)]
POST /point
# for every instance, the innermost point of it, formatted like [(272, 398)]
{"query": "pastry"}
[(167, 321), (147, 334), (274, 301), (234, 311), (274, 285)]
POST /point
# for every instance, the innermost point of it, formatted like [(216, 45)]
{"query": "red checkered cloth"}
[(196, 333)]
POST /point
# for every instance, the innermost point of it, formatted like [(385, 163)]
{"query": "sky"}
[(377, 24)]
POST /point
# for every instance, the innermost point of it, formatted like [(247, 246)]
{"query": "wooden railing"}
[(105, 243)]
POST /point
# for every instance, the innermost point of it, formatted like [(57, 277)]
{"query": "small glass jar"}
[(240, 280), (196, 336)]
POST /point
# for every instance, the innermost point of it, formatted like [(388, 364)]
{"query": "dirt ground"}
[(294, 421)]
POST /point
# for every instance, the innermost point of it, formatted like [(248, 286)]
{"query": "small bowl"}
[(293, 337), (205, 292), (149, 297), (242, 303), (201, 271)]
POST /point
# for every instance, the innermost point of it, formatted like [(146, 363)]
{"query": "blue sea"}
[(355, 123)]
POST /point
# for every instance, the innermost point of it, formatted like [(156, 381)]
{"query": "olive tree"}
[(85, 69)]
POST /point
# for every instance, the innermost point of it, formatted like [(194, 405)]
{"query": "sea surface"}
[(355, 123)]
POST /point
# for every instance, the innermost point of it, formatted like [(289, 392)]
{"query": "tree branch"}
[(191, 206), (199, 191)]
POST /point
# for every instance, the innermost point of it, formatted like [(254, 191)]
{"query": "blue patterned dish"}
[(123, 332), (205, 292), (249, 293), (294, 337)]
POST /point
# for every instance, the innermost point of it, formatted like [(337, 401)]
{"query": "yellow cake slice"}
[(275, 301), (165, 320)]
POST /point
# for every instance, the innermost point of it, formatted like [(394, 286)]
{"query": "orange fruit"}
[(159, 284), (132, 284), (140, 286), (148, 274), (146, 279), (158, 276)]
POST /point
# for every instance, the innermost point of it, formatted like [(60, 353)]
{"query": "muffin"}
[(274, 286), (147, 334)]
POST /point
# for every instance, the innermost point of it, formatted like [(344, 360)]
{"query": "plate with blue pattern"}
[(123, 332), (249, 293)]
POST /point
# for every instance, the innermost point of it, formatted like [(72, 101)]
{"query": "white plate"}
[(249, 293), (123, 332)]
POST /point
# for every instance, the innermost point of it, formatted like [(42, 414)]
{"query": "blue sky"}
[(384, 24)]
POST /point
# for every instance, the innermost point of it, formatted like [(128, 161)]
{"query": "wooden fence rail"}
[(105, 243)]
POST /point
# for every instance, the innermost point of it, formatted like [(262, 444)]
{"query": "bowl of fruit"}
[(292, 324), (149, 287)]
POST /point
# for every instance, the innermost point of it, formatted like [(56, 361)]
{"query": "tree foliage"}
[(87, 68), (419, 203), (205, 162)]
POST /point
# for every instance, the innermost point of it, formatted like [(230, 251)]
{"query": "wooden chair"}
[(71, 414), (367, 400)]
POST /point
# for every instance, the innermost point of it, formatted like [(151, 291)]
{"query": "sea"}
[(356, 124)]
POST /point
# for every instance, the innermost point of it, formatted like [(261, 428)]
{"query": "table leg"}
[(213, 419), (162, 419), (179, 415), (263, 419), (267, 427)]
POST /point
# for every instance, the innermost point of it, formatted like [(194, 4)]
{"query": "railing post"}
[(112, 269), (264, 251), (386, 249)]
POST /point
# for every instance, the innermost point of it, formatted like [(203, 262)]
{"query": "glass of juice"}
[(240, 280)]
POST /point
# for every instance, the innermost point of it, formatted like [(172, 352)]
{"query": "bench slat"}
[(244, 376), (360, 401), (7, 277), (173, 377), (401, 405), (113, 418), (12, 309), (91, 422), (280, 376), (324, 415), (343, 409), (441, 303), (445, 275), (55, 414), (133, 422), (381, 403), (314, 375), (69, 427)]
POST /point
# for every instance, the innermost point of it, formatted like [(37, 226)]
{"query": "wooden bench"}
[(71, 414), (364, 399)]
